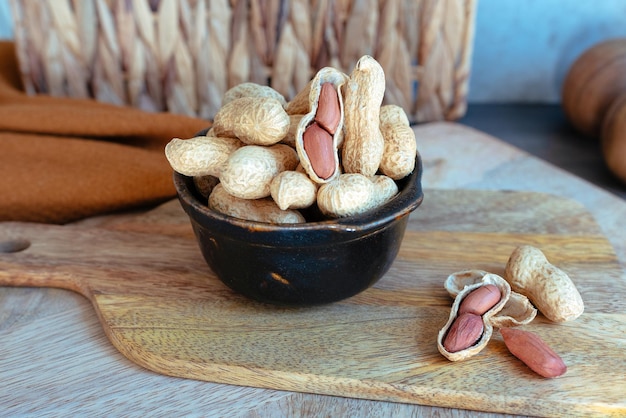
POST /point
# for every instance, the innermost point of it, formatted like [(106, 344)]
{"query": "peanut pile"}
[(484, 301), (334, 146)]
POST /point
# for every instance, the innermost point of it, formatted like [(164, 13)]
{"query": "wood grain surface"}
[(161, 306)]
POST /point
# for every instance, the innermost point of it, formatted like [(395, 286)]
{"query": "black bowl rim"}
[(408, 199)]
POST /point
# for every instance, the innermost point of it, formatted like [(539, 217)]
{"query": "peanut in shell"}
[(548, 287), (248, 171), (469, 281), (400, 149), (201, 155), (253, 120), (259, 210), (249, 89), (363, 94), (517, 310), (310, 162)]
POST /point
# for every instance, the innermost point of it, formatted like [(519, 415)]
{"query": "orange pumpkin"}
[(592, 83), (614, 137)]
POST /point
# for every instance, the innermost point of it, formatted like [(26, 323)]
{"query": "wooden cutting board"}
[(162, 307)]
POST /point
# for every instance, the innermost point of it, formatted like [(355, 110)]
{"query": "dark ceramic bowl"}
[(301, 264)]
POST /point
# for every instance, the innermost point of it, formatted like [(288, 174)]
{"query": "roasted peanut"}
[(549, 288), (480, 300), (400, 150), (318, 148), (352, 194), (517, 309), (328, 114), (293, 190), (384, 190), (393, 115), (347, 195), (461, 286), (248, 171), (259, 210), (464, 332), (318, 144), (254, 120), (201, 155), (363, 143), (249, 89), (533, 352)]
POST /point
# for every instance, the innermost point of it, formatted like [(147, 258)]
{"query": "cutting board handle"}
[(24, 262), (93, 260), (13, 245)]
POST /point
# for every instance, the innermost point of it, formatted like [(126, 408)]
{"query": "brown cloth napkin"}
[(65, 159)]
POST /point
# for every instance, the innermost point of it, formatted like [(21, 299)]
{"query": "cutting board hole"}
[(14, 245)]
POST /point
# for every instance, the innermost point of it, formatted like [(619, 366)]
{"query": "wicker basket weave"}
[(182, 55)]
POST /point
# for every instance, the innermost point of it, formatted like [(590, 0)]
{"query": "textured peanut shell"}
[(259, 210), (548, 287), (347, 195), (337, 79), (290, 138), (363, 143), (505, 291), (518, 310), (250, 89), (254, 120), (385, 189), (293, 190), (399, 152), (353, 193), (248, 171), (300, 105), (201, 155), (393, 115), (400, 145), (457, 281)]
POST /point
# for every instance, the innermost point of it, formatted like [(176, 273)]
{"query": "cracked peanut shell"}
[(337, 79), (518, 310), (489, 318)]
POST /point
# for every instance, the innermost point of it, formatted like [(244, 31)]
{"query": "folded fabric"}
[(64, 159)]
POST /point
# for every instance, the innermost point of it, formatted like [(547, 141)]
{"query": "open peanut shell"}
[(518, 310), (337, 79), (505, 292), (456, 282)]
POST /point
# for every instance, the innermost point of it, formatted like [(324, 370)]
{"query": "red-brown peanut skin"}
[(464, 332), (533, 352), (328, 112), (318, 145), (480, 300)]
